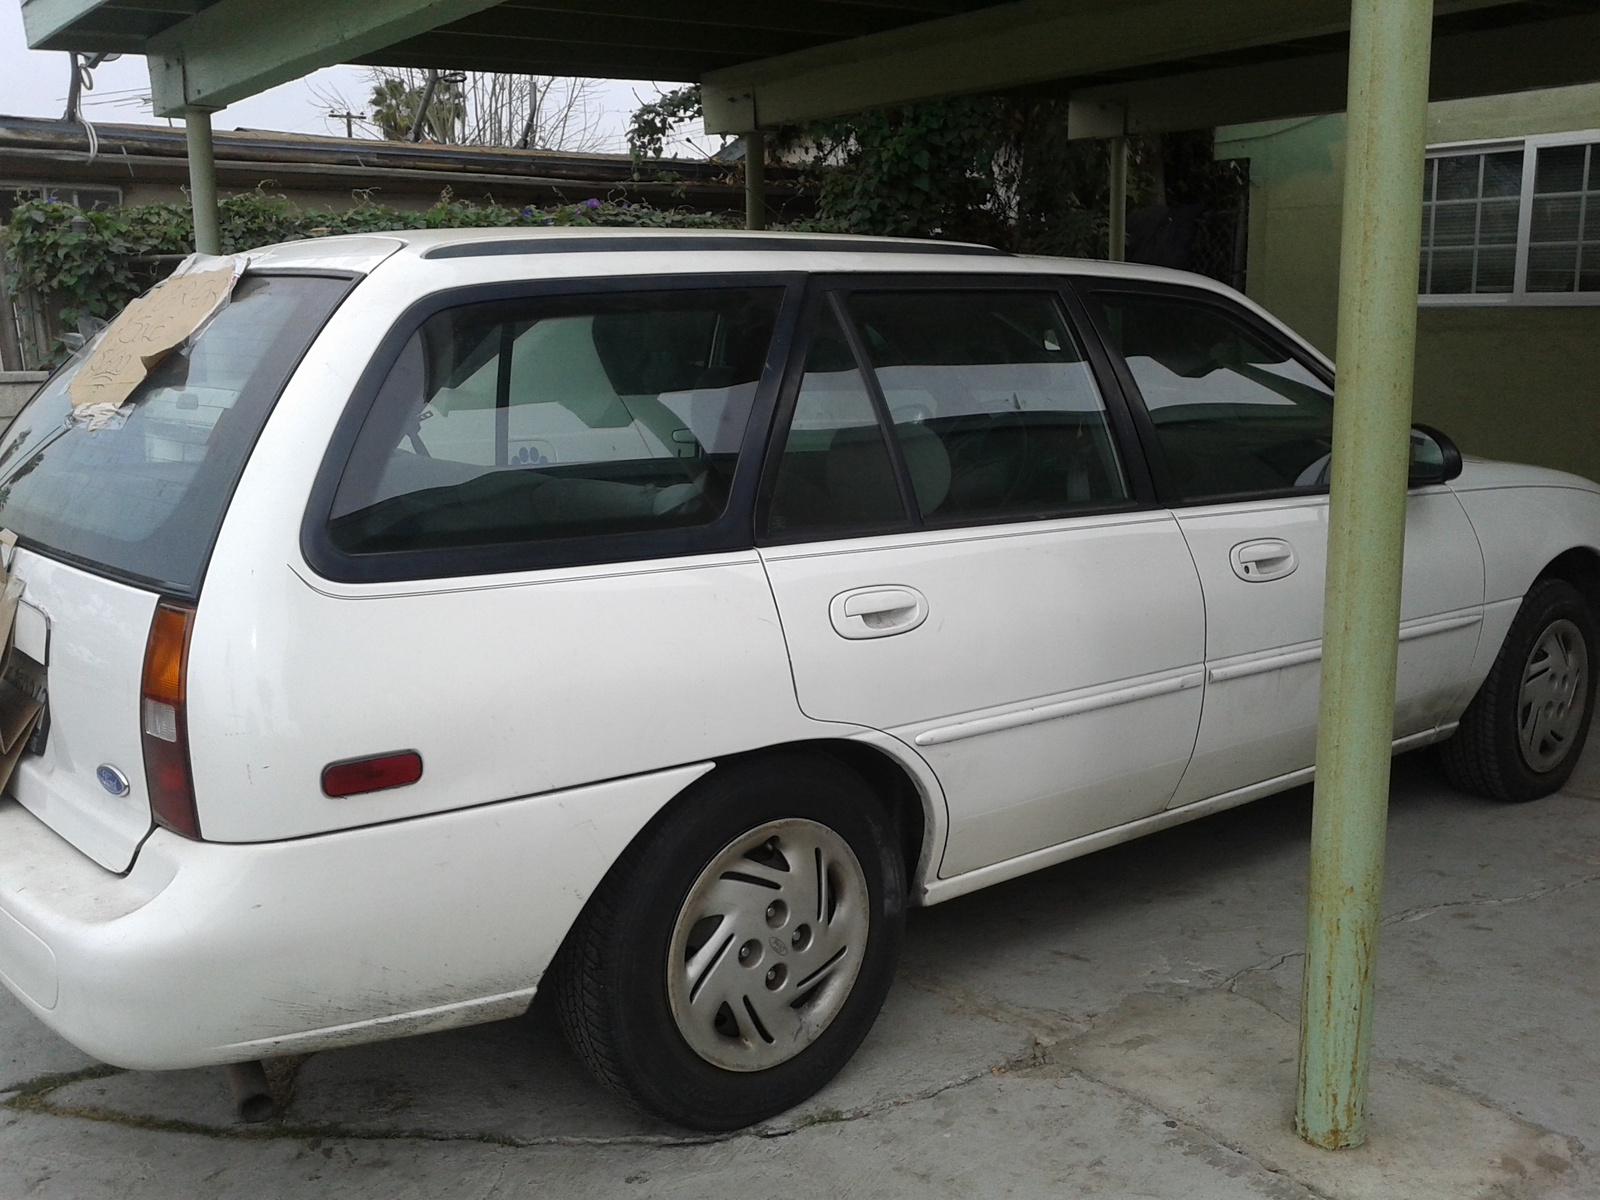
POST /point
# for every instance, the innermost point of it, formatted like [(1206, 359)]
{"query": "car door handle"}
[(874, 612), (1257, 562)]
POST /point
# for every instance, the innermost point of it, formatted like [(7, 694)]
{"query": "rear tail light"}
[(166, 731)]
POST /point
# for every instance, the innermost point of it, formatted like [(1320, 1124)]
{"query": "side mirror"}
[(1434, 457)]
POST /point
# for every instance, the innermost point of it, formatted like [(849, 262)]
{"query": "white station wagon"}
[(657, 615)]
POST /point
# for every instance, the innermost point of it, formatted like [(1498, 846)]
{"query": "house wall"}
[(1508, 381)]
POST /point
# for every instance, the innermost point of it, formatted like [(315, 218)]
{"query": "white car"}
[(658, 615)]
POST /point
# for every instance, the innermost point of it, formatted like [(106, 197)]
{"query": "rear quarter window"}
[(555, 422)]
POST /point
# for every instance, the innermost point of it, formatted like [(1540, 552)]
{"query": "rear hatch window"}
[(141, 500)]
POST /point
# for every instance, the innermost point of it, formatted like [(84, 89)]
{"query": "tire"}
[(735, 956), (1522, 734)]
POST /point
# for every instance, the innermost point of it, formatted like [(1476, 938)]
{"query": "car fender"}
[(1525, 518)]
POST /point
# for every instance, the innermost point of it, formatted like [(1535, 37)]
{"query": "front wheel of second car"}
[(734, 958), (1521, 736)]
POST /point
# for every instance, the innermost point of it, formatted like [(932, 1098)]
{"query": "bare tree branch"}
[(487, 109)]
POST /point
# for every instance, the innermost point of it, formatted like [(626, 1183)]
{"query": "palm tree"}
[(395, 102), (394, 105)]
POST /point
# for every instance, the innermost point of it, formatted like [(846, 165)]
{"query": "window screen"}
[(1564, 235), (511, 422), (1520, 221), (1470, 206)]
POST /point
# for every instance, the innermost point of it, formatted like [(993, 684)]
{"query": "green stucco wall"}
[(1516, 382)]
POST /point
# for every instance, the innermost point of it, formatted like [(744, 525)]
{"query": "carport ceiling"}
[(774, 61)]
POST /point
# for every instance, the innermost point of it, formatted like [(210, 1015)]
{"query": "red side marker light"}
[(357, 776)]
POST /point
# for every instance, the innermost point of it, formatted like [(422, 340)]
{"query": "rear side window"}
[(555, 418), (992, 410), (993, 405), (835, 472), (143, 499)]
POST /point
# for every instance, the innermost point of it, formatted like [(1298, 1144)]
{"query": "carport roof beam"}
[(1474, 62), (236, 48), (1008, 46)]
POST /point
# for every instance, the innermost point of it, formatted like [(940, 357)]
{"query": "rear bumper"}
[(207, 953)]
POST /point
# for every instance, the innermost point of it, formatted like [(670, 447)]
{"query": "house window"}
[(1515, 222)]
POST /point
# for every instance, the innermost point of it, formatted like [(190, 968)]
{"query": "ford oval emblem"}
[(113, 780)]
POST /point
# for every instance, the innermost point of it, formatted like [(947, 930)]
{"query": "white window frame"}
[(1519, 295)]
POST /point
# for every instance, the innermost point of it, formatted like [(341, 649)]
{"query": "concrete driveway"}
[(1119, 1026)]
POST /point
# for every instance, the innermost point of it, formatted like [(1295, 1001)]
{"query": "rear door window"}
[(992, 410), (544, 420), (992, 402), (142, 499)]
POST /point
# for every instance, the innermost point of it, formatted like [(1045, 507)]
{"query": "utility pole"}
[(418, 121), (525, 142), (349, 119)]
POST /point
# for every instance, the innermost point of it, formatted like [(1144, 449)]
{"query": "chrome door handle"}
[(874, 612), (1257, 562)]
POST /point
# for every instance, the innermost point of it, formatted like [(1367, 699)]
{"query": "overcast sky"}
[(34, 84)]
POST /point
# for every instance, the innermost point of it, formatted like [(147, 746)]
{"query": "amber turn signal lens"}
[(165, 724), (357, 776)]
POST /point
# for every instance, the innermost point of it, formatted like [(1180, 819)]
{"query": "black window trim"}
[(1087, 286), (732, 531), (831, 291)]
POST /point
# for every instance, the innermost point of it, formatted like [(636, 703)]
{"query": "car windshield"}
[(142, 498)]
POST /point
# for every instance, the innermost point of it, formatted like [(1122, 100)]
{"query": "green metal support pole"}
[(755, 180), (203, 181), (1117, 248), (1389, 52)]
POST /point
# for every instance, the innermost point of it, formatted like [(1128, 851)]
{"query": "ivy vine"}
[(86, 265)]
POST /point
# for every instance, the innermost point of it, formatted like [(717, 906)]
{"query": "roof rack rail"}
[(753, 241)]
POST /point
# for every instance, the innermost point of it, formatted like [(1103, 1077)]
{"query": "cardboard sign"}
[(149, 329)]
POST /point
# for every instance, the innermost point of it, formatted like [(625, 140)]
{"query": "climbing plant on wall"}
[(83, 266), (993, 169)]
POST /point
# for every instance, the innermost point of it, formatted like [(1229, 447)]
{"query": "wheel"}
[(1523, 732), (733, 959)]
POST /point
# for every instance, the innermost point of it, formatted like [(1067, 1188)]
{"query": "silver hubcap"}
[(1555, 690), (768, 944)]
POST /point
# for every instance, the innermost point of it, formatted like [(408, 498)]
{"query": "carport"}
[(1128, 67)]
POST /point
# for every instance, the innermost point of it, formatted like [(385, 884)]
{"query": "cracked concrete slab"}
[(515, 1081), (1227, 1065), (1122, 1025), (1002, 1134)]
